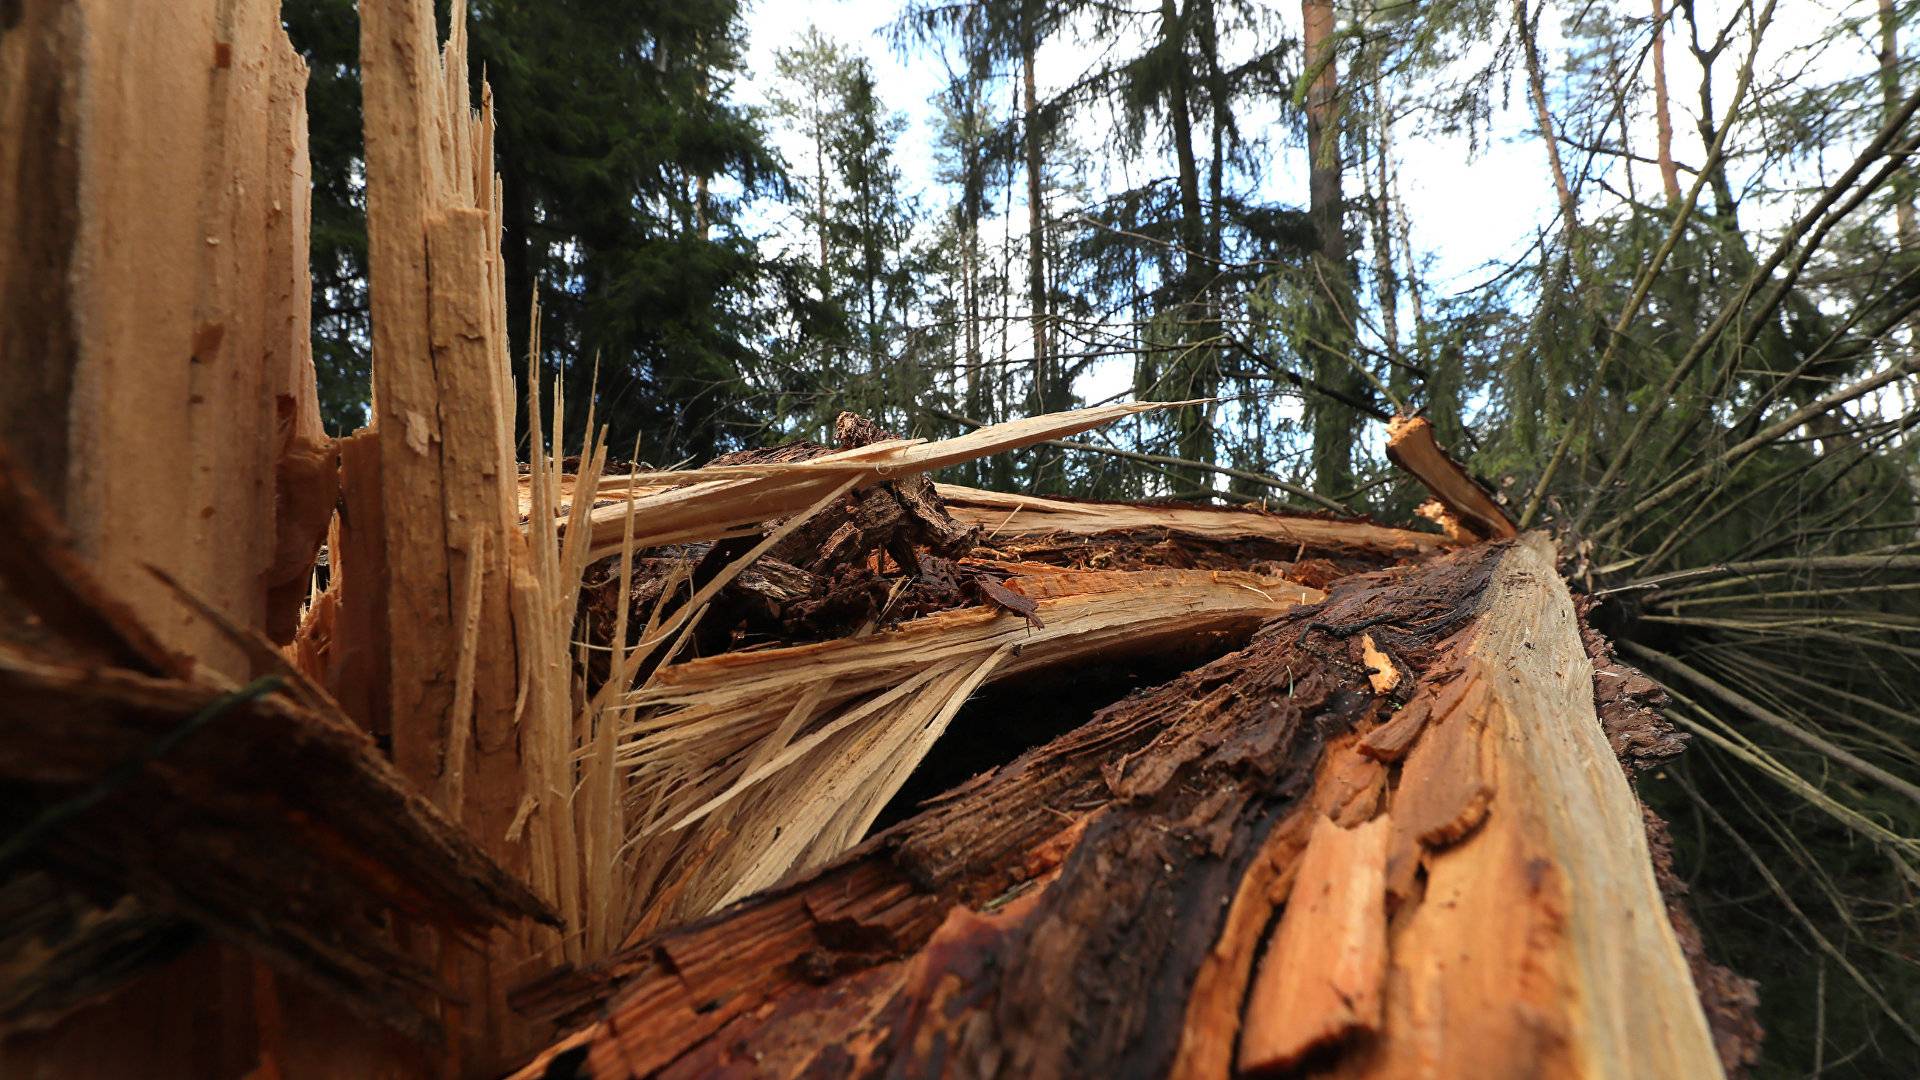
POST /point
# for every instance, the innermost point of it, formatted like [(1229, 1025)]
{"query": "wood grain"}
[(1000, 514), (1411, 445)]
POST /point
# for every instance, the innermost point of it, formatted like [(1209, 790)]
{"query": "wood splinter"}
[(1321, 979), (1465, 506)]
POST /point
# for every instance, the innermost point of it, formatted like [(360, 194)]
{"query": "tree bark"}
[(1328, 328), (1387, 278), (1097, 907), (1194, 426), (1048, 393), (1036, 223), (1663, 121), (820, 191), (1903, 185)]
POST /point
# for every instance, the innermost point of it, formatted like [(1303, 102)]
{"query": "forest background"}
[(1651, 267)]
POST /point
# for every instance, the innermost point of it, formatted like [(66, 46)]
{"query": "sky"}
[(1499, 186), (1471, 206)]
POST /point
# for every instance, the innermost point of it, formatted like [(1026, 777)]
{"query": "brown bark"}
[(1194, 425), (1386, 275), (157, 385), (1906, 224), (40, 175), (279, 826), (1120, 837), (1384, 772), (1048, 393), (1097, 905), (1323, 129), (1330, 329)]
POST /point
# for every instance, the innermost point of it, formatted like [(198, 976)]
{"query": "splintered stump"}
[(1387, 838)]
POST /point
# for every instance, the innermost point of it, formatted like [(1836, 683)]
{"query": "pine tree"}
[(862, 256)]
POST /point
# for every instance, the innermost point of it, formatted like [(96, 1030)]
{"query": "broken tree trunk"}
[(259, 813), (734, 499), (158, 391), (158, 380), (1393, 796), (1461, 880), (466, 617)]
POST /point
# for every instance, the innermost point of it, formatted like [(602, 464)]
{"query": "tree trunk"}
[(1537, 91), (1208, 36), (1036, 232), (1100, 906), (1192, 223), (1386, 277), (1329, 327), (1726, 210), (1048, 394), (1902, 184), (702, 225), (1663, 122), (1194, 426), (820, 193)]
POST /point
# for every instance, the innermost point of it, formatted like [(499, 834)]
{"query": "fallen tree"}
[(1447, 826), (581, 772)]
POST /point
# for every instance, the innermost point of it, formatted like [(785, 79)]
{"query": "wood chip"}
[(1322, 978)]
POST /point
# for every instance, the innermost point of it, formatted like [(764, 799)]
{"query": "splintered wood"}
[(1460, 505), (732, 500), (1323, 976), (279, 826), (443, 410), (491, 792), (1564, 854), (455, 650), (157, 378), (1000, 515), (802, 747), (1489, 911)]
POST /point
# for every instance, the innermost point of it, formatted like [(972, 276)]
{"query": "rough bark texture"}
[(1044, 919), (1093, 868), (1330, 285), (1386, 837), (1731, 1001), (158, 391)]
